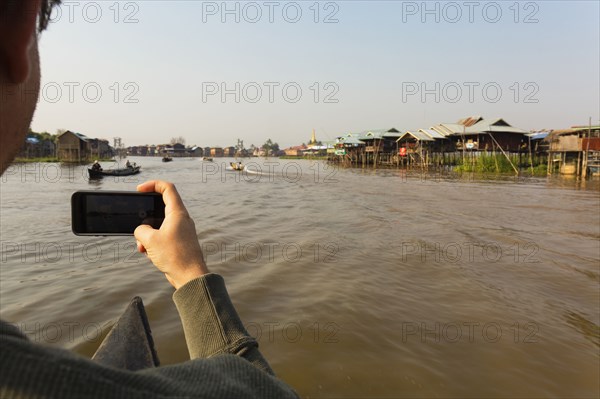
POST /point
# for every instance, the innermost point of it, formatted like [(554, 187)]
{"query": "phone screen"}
[(115, 213)]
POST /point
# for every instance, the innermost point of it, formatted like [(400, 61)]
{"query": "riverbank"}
[(315, 157), (55, 160), (483, 163)]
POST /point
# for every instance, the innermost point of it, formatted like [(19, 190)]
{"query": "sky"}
[(213, 72)]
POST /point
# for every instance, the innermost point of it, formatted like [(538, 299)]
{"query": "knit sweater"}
[(225, 361)]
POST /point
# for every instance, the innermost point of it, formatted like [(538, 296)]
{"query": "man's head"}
[(20, 22)]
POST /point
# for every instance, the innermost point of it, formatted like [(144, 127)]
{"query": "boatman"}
[(226, 362), (96, 166)]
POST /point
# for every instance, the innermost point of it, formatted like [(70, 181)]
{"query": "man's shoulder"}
[(33, 369), (9, 330)]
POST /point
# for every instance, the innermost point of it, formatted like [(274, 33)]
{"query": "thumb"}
[(143, 234)]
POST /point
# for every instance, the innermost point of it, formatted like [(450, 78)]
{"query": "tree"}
[(177, 140), (47, 136), (270, 147)]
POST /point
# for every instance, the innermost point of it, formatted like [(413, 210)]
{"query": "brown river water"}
[(357, 283)]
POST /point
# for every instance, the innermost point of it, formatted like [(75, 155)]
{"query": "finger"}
[(171, 198), (143, 234), (140, 247), (146, 187)]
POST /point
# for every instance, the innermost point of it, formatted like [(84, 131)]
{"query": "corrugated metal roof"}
[(432, 133), (392, 135), (493, 126), (417, 135), (378, 134), (564, 131), (483, 126), (538, 135), (470, 121), (81, 136), (448, 129), (372, 135), (350, 139)]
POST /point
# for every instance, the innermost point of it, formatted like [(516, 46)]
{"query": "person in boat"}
[(96, 166), (225, 360), (128, 164)]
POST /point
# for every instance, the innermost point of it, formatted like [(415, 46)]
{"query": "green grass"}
[(496, 163), (486, 163), (539, 170)]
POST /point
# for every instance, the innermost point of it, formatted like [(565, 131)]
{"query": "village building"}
[(315, 150), (37, 148), (259, 152), (77, 147), (195, 151), (160, 148), (167, 150), (348, 148), (381, 141), (229, 151), (134, 150), (479, 134), (216, 152), (416, 146), (371, 146), (179, 150), (574, 151), (295, 151)]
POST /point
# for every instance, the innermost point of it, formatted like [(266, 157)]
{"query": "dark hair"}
[(45, 11)]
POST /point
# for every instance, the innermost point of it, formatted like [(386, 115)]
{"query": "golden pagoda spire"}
[(313, 139)]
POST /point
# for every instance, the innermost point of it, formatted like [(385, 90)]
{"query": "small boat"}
[(236, 166), (207, 159), (133, 170), (167, 159)]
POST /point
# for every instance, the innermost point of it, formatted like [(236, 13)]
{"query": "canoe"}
[(167, 159), (114, 172), (207, 159), (129, 344)]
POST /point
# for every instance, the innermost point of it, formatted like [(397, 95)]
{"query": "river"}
[(357, 283)]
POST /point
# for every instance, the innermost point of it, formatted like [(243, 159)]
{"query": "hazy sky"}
[(212, 72)]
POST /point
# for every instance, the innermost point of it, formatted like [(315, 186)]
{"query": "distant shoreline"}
[(55, 160)]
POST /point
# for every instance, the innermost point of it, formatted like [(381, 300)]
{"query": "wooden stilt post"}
[(530, 156)]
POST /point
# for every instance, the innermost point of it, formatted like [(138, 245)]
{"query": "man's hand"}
[(174, 248)]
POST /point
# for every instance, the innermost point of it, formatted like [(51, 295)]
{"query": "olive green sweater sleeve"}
[(211, 324), (33, 371)]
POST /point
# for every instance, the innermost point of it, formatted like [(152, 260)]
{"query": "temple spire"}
[(313, 139)]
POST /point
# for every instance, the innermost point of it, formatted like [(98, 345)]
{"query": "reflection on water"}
[(358, 283)]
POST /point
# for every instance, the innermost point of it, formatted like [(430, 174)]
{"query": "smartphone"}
[(114, 213)]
